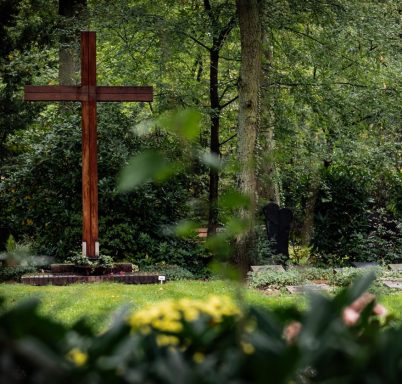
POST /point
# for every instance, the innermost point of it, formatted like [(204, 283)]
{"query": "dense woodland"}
[(298, 102)]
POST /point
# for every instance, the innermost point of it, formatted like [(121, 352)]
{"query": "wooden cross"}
[(88, 93)]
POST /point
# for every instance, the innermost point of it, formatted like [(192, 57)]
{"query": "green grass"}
[(97, 302)]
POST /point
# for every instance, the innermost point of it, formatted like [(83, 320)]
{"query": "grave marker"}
[(395, 267), (264, 268), (363, 264), (278, 222), (394, 283)]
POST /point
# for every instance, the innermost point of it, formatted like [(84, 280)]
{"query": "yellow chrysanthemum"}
[(165, 340), (198, 357), (168, 316), (248, 348), (78, 357)]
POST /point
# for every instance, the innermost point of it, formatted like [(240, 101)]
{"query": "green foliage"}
[(348, 228), (43, 200), (275, 279), (293, 276), (171, 271), (79, 259), (15, 273), (209, 341), (105, 261)]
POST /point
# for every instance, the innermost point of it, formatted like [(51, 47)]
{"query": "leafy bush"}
[(350, 225), (210, 341), (15, 273), (293, 276), (41, 197), (171, 271), (275, 279), (381, 241)]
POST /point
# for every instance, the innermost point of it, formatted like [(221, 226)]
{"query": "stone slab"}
[(394, 283), (270, 267), (359, 264), (395, 267), (296, 289), (298, 267)]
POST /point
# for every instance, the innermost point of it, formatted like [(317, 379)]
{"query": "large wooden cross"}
[(88, 93)]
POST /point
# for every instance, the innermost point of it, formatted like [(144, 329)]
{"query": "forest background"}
[(328, 133)]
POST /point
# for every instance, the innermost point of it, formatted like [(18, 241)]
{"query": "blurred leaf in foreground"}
[(146, 167)]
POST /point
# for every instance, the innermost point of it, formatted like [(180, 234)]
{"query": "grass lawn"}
[(97, 302)]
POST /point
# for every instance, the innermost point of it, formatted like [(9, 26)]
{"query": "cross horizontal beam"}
[(83, 93)]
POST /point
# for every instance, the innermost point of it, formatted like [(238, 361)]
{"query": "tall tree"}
[(219, 34), (72, 13), (249, 89)]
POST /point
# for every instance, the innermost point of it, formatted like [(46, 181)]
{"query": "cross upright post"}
[(88, 93)]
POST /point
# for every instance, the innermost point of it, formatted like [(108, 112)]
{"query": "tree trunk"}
[(214, 140), (249, 88), (71, 11), (267, 172)]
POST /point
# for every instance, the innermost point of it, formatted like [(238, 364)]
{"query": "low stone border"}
[(66, 279)]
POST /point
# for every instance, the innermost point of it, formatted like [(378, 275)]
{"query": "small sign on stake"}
[(162, 279)]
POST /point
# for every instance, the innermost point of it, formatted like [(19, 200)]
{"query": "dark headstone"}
[(285, 221), (278, 222)]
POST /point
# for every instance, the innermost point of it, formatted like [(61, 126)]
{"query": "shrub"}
[(41, 197), (275, 279), (15, 273), (171, 271), (293, 276)]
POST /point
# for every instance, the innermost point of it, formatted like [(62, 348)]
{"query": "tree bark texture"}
[(249, 87), (71, 12), (214, 140), (267, 172)]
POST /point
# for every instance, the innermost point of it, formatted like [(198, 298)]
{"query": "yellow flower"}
[(251, 326), (247, 348), (164, 340), (198, 357), (78, 357), (168, 316)]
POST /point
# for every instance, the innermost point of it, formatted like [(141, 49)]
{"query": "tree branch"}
[(319, 42), (227, 140), (195, 40), (228, 102)]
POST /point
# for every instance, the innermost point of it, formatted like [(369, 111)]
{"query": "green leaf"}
[(211, 160), (184, 122), (234, 199), (186, 228), (145, 167)]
